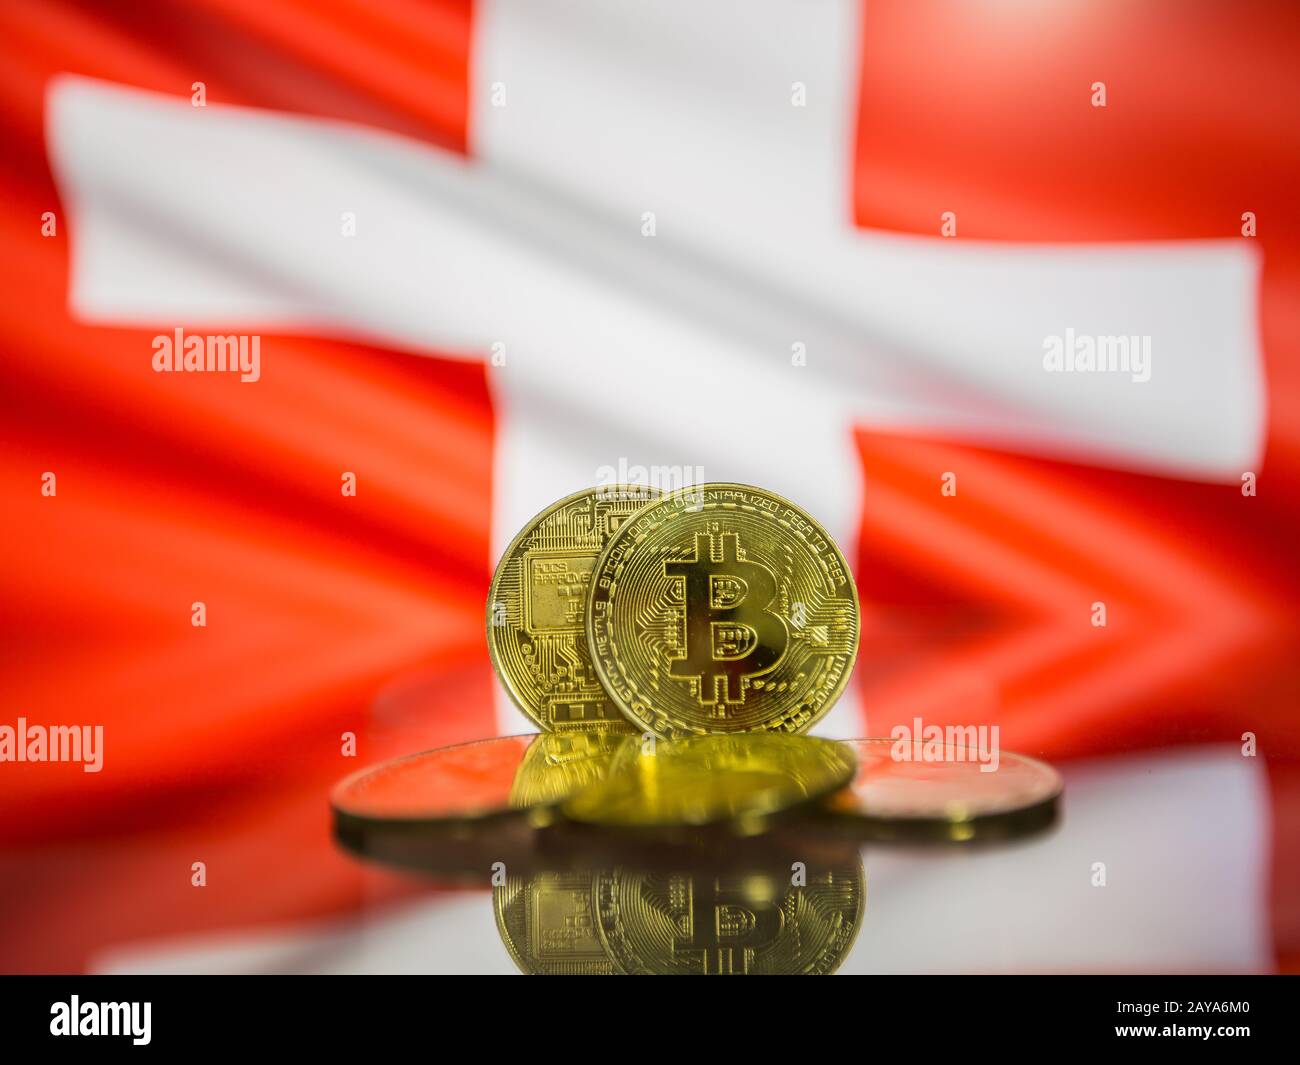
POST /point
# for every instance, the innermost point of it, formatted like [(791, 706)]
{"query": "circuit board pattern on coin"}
[(723, 608), (741, 923), (536, 606)]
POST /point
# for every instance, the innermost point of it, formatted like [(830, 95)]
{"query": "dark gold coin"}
[(458, 813), (722, 608), (471, 782), (741, 780), (757, 922), (913, 790), (466, 782), (536, 629)]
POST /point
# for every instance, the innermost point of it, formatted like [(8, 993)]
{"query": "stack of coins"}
[(715, 609), (670, 815), (710, 612)]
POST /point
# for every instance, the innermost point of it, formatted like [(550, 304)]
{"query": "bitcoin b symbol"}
[(729, 924), (730, 632)]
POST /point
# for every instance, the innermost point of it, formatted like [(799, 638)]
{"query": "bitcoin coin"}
[(757, 922), (722, 608), (917, 790), (536, 630), (701, 780)]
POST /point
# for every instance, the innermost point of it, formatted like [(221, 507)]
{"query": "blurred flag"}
[(490, 250)]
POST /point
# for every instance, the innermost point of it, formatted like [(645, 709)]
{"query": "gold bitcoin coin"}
[(701, 780), (536, 632), (548, 924), (760, 922), (722, 608)]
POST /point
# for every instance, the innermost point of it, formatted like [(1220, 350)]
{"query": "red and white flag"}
[(856, 253)]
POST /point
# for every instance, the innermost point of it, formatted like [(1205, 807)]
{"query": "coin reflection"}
[(548, 924), (780, 918), (559, 764), (702, 780)]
